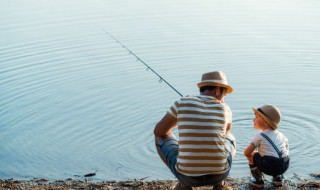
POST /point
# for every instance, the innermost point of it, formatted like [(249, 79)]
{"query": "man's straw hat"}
[(216, 78), (270, 114)]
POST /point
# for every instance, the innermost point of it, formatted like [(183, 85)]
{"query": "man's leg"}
[(231, 145), (167, 148), (159, 143)]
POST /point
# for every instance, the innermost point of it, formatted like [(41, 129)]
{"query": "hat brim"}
[(229, 88), (274, 126)]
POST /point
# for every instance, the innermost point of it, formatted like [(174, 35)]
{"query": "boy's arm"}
[(249, 150)]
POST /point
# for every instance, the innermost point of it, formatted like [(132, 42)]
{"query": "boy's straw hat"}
[(270, 114), (216, 78)]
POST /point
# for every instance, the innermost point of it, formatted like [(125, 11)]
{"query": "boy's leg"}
[(257, 180), (270, 165), (277, 180)]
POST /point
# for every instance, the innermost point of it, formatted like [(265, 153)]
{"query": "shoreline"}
[(143, 184)]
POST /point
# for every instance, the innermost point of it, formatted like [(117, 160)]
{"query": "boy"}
[(272, 157)]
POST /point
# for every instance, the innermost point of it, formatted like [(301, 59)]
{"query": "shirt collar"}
[(208, 97)]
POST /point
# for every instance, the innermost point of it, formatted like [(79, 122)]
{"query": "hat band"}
[(216, 81), (260, 110)]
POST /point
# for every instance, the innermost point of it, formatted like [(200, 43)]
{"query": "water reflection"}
[(73, 101)]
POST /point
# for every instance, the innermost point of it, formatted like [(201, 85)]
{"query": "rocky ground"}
[(141, 184)]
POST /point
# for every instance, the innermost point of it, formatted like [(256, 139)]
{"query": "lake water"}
[(73, 101)]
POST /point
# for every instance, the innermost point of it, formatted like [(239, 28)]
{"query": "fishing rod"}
[(148, 67)]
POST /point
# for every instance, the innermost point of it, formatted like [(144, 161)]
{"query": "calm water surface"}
[(73, 101)]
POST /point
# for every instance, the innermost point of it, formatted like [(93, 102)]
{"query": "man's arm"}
[(229, 125), (165, 126)]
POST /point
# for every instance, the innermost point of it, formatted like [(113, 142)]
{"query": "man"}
[(205, 150)]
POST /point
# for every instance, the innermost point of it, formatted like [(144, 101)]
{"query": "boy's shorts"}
[(271, 165), (169, 149)]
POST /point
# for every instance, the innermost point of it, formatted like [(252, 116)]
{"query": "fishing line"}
[(141, 61)]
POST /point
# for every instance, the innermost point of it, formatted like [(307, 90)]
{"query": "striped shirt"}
[(202, 122)]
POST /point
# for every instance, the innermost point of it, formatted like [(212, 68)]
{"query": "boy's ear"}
[(266, 123)]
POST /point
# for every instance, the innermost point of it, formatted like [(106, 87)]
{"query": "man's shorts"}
[(169, 149), (271, 165)]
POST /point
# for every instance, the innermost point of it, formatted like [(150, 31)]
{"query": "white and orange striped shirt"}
[(202, 122)]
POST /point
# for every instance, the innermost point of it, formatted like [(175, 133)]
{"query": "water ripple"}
[(74, 101)]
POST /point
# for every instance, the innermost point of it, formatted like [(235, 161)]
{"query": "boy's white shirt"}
[(266, 149)]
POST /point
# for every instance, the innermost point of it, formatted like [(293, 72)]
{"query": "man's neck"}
[(207, 93), (210, 93)]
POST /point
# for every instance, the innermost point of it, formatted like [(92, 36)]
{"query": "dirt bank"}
[(137, 184)]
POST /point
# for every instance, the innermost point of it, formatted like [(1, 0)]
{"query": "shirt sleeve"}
[(173, 110), (256, 141)]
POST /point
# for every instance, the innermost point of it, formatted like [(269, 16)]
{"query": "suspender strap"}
[(271, 142)]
